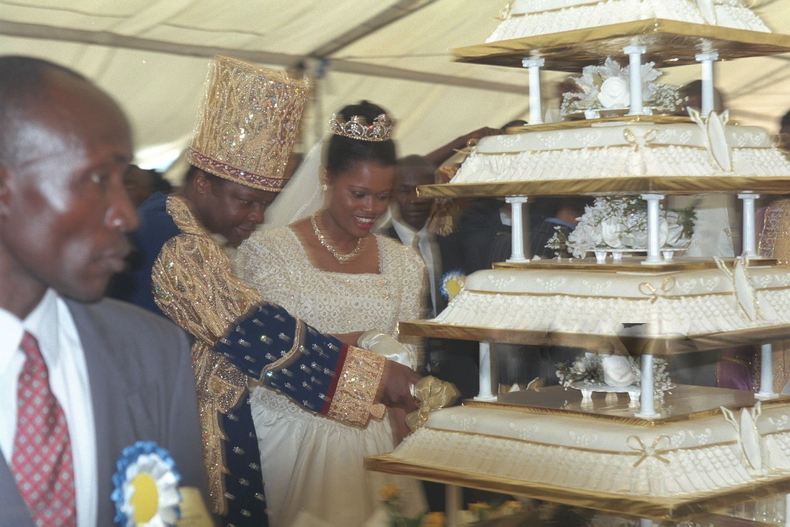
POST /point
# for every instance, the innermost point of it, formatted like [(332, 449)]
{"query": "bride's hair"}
[(343, 152)]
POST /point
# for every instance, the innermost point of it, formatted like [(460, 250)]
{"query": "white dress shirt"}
[(52, 325), (429, 251)]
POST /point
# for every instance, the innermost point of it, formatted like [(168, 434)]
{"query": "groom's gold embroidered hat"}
[(248, 123)]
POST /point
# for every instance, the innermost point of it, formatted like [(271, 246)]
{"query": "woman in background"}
[(331, 271)]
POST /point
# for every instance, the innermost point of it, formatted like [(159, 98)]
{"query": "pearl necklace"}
[(340, 257)]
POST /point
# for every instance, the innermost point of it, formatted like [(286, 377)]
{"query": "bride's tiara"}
[(358, 128)]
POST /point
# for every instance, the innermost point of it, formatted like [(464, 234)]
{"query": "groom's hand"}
[(395, 388)]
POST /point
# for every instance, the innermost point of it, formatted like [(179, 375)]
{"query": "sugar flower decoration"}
[(592, 369), (608, 87), (146, 487), (621, 223)]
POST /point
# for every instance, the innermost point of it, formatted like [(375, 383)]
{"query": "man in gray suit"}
[(116, 374)]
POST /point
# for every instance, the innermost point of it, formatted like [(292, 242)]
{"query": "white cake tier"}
[(682, 303), (667, 462), (622, 150), (528, 18)]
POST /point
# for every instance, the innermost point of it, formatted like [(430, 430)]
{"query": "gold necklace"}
[(340, 257)]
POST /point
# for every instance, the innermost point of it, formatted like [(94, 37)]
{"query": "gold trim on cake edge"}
[(613, 186), (669, 43), (588, 123), (681, 403), (640, 508), (632, 264), (633, 345)]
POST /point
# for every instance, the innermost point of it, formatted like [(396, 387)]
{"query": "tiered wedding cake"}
[(686, 455)]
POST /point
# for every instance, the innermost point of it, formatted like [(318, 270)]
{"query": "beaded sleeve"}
[(318, 372), (194, 285)]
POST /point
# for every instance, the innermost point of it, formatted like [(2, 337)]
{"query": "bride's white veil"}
[(301, 196)]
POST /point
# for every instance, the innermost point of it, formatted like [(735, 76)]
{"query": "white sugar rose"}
[(614, 93), (611, 232), (584, 238), (617, 370)]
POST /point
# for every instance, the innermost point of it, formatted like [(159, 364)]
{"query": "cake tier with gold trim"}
[(673, 304), (623, 151), (669, 43), (670, 469), (527, 18)]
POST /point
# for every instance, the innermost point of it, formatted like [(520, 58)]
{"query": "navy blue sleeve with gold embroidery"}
[(286, 354)]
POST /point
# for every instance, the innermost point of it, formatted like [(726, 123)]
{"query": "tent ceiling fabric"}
[(151, 55)]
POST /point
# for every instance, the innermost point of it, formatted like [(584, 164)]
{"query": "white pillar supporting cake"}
[(646, 399), (453, 499), (707, 95), (635, 62), (749, 227), (653, 234), (517, 229), (766, 373), (535, 111), (484, 392)]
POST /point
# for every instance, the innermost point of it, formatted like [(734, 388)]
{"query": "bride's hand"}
[(395, 387)]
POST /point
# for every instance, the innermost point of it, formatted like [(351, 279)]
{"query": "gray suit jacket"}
[(142, 388)]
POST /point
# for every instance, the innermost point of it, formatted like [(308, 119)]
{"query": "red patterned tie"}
[(42, 462)]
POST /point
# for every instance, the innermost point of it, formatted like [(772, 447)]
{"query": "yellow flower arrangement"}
[(390, 495)]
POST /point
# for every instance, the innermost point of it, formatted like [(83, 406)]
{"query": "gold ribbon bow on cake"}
[(647, 289), (657, 450), (432, 394)]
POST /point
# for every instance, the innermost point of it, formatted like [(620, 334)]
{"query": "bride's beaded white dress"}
[(313, 466)]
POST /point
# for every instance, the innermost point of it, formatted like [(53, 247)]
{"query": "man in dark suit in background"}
[(109, 374), (409, 223), (451, 360)]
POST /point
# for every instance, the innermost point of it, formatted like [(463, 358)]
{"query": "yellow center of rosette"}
[(145, 499), (454, 287)]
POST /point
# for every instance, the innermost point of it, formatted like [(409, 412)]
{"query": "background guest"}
[(141, 184), (72, 366), (408, 224), (451, 360)]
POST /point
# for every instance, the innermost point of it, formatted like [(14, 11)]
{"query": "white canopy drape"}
[(151, 55)]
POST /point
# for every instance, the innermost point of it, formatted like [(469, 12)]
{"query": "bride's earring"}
[(324, 187)]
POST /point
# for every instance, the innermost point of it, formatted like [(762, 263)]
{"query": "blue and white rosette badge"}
[(146, 487), (452, 283)]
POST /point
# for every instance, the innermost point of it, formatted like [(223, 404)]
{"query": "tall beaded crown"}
[(358, 128), (248, 123)]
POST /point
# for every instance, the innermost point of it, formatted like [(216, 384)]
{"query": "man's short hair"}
[(216, 181), (23, 82)]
